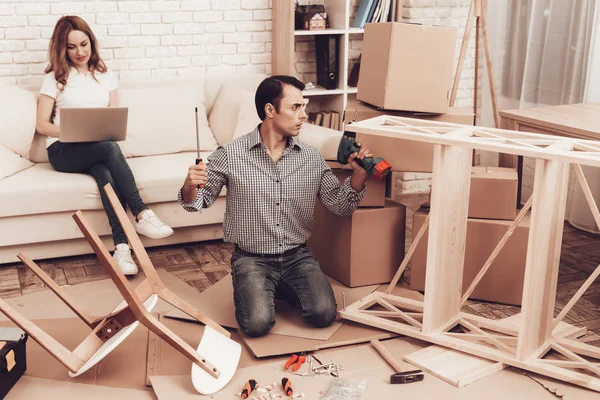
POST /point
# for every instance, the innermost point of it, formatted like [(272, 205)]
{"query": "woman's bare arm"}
[(43, 124), (113, 98)]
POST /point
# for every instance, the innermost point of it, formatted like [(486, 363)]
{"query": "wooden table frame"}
[(522, 345)]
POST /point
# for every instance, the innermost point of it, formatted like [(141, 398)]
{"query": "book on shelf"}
[(374, 11)]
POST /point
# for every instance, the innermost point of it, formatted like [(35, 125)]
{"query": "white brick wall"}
[(142, 38)]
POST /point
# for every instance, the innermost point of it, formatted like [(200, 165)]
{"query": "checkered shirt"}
[(270, 206)]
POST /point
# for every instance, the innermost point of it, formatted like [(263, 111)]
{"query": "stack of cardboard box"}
[(492, 209), (365, 248), (408, 68)]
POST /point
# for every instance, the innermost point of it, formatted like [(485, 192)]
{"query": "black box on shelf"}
[(327, 50), (13, 358)]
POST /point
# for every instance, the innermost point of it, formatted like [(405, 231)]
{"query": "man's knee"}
[(258, 323), (322, 313)]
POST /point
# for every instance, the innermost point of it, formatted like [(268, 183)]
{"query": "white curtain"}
[(540, 53)]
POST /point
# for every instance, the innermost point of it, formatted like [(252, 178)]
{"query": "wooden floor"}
[(204, 263)]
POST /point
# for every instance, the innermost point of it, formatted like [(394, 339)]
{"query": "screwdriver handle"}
[(198, 161)]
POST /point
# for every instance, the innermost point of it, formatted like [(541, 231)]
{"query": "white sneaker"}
[(123, 258), (149, 225)]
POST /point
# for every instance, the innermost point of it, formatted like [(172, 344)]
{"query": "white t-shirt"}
[(80, 91)]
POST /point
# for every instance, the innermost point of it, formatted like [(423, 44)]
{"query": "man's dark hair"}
[(271, 91)]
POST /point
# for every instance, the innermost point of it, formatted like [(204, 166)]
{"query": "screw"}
[(344, 301)]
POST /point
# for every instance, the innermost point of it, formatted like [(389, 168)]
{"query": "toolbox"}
[(13, 359)]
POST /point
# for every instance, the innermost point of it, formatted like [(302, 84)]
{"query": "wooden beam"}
[(62, 295), (462, 54), (282, 54), (543, 253), (400, 313), (57, 350), (156, 283), (408, 257), (447, 234), (589, 197)]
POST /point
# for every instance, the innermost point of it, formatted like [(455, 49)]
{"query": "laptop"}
[(91, 124)]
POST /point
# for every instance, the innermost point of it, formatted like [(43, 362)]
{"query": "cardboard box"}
[(493, 193), (375, 193), (503, 283), (407, 66), (362, 249), (358, 111)]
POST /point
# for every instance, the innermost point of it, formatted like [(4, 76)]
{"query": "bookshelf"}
[(340, 13)]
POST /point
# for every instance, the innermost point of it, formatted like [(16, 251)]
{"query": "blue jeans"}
[(106, 163), (294, 276)]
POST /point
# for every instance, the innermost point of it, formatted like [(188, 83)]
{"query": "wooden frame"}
[(477, 14), (128, 314), (436, 319)]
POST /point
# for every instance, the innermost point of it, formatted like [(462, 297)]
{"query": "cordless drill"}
[(378, 168)]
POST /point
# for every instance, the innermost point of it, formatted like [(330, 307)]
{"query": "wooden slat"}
[(461, 57), (133, 300), (62, 295), (543, 253), (57, 350), (155, 282), (408, 256), (447, 235)]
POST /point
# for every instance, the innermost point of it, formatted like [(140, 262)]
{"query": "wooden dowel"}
[(387, 356), (408, 256)]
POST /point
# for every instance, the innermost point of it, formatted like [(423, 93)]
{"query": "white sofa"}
[(37, 203)]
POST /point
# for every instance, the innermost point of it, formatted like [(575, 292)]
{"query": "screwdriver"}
[(198, 158)]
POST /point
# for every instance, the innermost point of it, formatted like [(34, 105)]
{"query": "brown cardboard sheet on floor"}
[(217, 303), (350, 333), (363, 363), (124, 367), (28, 388)]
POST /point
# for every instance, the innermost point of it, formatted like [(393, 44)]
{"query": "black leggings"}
[(106, 163)]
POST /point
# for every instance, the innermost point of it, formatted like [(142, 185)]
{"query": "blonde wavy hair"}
[(58, 60)]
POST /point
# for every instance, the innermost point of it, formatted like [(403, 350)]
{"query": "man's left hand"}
[(360, 175)]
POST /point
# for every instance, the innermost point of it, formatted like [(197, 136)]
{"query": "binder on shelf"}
[(362, 14), (326, 48)]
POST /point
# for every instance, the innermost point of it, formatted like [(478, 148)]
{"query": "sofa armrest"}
[(324, 139)]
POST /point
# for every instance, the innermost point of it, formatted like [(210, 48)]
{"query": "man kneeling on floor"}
[(273, 180)]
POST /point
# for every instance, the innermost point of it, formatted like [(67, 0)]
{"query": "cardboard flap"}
[(35, 388), (217, 303)]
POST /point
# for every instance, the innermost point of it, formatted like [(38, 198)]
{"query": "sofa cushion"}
[(18, 110), (227, 104), (40, 189), (11, 162), (326, 140), (247, 117), (162, 120)]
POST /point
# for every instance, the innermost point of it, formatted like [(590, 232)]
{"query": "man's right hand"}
[(197, 175)]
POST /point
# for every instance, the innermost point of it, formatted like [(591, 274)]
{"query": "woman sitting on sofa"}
[(76, 76)]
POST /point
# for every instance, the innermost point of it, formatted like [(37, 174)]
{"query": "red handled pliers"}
[(297, 360)]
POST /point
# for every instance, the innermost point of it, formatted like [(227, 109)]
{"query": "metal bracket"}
[(109, 329)]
